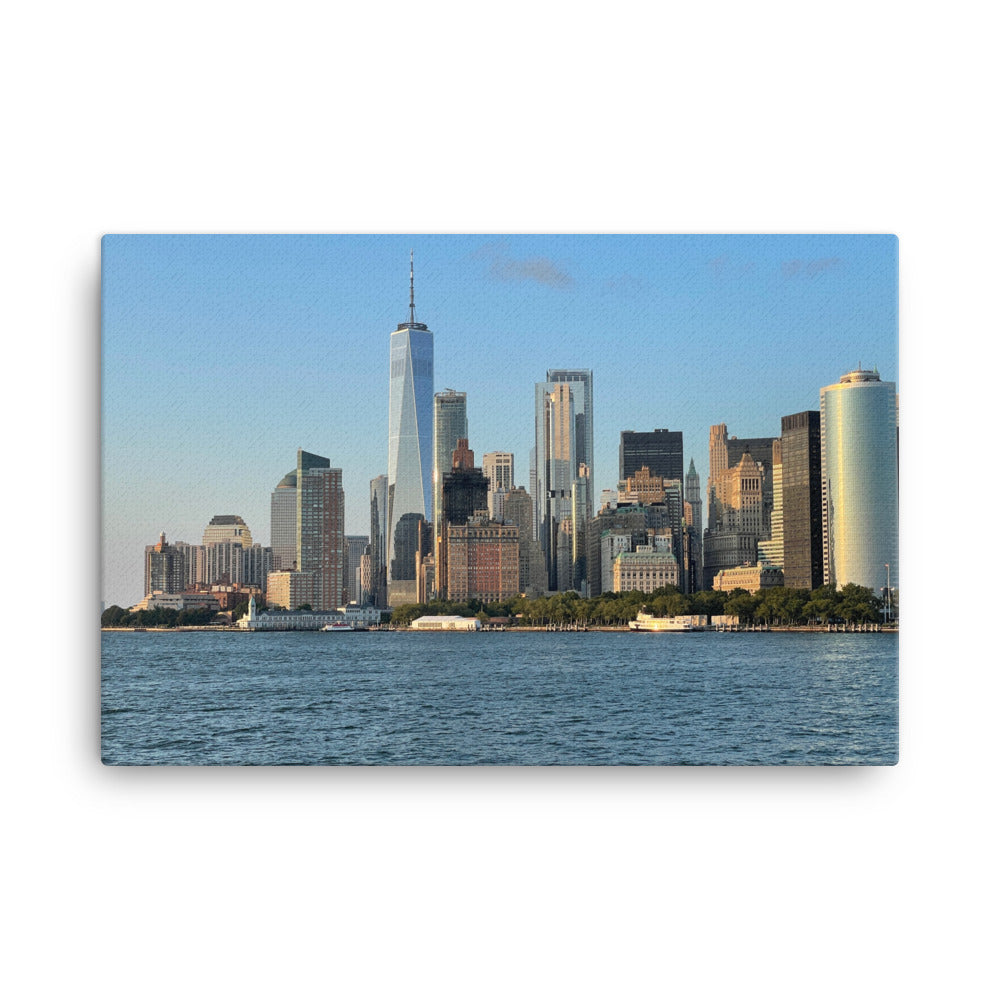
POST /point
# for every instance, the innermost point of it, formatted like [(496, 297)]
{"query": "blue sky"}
[(222, 355)]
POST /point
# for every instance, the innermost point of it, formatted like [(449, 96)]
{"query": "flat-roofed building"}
[(648, 568), (483, 561), (751, 578)]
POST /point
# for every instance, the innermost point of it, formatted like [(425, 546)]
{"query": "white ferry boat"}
[(682, 623), (338, 627)]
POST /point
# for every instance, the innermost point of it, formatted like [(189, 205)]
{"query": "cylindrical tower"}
[(860, 481)]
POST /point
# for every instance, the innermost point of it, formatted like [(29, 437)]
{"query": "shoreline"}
[(741, 630)]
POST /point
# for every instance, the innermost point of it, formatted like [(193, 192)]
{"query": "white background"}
[(771, 117)]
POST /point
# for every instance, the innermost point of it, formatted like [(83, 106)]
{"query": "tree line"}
[(116, 617), (773, 606), (852, 604)]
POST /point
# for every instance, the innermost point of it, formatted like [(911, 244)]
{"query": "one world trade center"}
[(411, 458)]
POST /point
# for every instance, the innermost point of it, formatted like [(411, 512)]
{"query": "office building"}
[(483, 560), (760, 576), (802, 500), (379, 504), (450, 426), (646, 568), (227, 528), (355, 547), (498, 467), (411, 545), (163, 568), (319, 529), (660, 451), (411, 416), (531, 563), (564, 474), (771, 550), (694, 554), (740, 500), (284, 504), (858, 437), (464, 493)]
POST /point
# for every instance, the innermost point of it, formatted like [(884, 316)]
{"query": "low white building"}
[(446, 623)]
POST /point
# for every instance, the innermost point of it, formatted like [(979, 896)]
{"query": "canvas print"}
[(499, 500)]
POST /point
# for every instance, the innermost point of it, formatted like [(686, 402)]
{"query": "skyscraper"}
[(859, 470), (464, 491), (450, 425), (581, 383), (163, 568), (379, 502), (355, 547), (320, 529), (498, 468), (802, 499), (411, 395), (692, 495), (227, 528), (694, 539), (556, 439), (740, 500), (660, 451), (284, 503)]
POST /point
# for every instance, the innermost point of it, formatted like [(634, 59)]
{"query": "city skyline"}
[(222, 355)]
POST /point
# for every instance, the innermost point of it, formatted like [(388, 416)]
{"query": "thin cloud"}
[(625, 283), (503, 267), (810, 268)]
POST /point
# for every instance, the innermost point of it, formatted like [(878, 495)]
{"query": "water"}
[(498, 698)]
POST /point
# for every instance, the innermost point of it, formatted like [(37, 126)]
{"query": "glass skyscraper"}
[(564, 471), (451, 424), (411, 398), (859, 469)]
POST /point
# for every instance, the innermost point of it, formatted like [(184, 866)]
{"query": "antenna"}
[(413, 315)]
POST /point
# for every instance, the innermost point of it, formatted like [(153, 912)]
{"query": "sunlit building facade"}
[(411, 417), (860, 480)]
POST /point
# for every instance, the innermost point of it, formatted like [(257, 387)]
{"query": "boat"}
[(681, 623), (337, 627)]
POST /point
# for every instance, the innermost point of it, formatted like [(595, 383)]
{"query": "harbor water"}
[(607, 698)]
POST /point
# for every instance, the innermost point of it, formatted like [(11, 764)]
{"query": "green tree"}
[(742, 604), (113, 616)]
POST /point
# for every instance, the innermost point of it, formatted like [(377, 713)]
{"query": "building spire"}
[(413, 315)]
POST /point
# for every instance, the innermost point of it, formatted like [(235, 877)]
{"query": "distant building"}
[(379, 503), (531, 563), (858, 429), (802, 500), (772, 549), (445, 623), (306, 621), (464, 490), (660, 451), (290, 589), (637, 523), (355, 546), (740, 499), (750, 578), (451, 425), (284, 500), (320, 528), (411, 543), (646, 569), (178, 602), (227, 528), (694, 551), (498, 468), (563, 473), (163, 569), (483, 561), (411, 430)]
